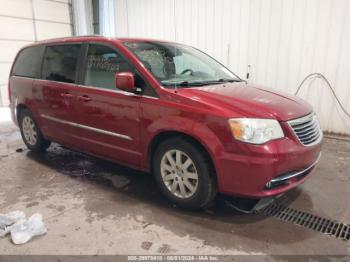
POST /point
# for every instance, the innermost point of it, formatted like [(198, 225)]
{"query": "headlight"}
[(255, 130)]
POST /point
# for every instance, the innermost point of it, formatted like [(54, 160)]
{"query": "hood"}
[(247, 100)]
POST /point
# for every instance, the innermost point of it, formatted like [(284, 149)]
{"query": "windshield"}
[(180, 65)]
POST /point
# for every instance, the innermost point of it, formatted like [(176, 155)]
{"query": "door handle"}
[(84, 98), (66, 95)]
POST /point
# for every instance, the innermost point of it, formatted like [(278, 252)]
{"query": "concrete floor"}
[(91, 206)]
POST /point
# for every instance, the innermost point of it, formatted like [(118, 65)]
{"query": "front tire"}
[(31, 133), (184, 174)]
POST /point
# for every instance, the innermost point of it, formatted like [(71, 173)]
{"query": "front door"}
[(109, 117)]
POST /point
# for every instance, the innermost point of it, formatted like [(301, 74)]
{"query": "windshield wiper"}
[(225, 80), (219, 81), (182, 83), (199, 83), (210, 82)]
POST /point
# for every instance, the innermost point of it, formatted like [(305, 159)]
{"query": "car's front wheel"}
[(183, 173), (31, 133)]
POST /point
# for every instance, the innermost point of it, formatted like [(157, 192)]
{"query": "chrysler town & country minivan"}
[(164, 108)]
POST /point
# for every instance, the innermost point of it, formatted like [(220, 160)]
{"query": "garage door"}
[(26, 21)]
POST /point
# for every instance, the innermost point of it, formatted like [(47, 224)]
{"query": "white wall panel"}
[(4, 73), (51, 11), (19, 8), (83, 17), (282, 40), (158, 23), (107, 17), (47, 30), (9, 50), (18, 29), (3, 95), (121, 18)]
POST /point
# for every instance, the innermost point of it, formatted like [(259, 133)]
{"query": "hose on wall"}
[(319, 75)]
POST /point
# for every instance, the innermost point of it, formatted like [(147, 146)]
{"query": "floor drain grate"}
[(316, 223)]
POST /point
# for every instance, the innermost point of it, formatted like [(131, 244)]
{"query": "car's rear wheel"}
[(184, 174), (31, 133)]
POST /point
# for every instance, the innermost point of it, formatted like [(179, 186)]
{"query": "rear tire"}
[(31, 133), (184, 174)]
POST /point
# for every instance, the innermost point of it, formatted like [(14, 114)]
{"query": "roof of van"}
[(87, 38)]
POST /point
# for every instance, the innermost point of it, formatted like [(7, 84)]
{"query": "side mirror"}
[(125, 81)]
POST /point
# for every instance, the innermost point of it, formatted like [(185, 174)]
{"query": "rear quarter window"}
[(60, 62), (28, 62)]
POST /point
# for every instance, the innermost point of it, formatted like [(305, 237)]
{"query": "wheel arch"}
[(165, 135), (19, 109)]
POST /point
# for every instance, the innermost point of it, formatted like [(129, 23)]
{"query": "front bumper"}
[(289, 177), (268, 170)]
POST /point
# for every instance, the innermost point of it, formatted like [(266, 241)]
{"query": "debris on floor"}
[(21, 229), (8, 220)]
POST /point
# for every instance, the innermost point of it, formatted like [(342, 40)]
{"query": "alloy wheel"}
[(29, 130), (179, 173)]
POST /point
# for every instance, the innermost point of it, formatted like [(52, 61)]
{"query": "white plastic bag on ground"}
[(10, 219), (23, 232)]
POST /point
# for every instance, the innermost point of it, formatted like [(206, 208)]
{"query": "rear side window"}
[(60, 63), (28, 62)]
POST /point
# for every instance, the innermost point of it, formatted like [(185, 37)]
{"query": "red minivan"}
[(165, 108)]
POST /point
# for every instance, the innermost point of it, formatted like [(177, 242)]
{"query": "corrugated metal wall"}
[(282, 40)]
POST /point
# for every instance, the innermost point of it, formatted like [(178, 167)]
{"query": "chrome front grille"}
[(307, 129)]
